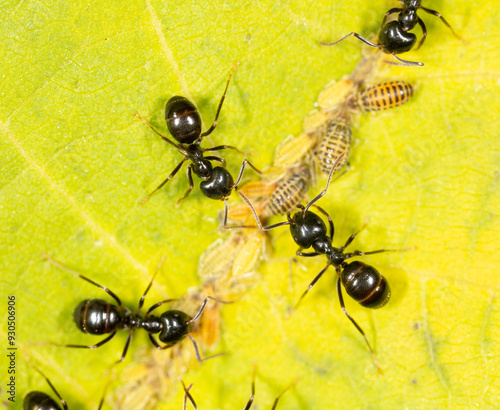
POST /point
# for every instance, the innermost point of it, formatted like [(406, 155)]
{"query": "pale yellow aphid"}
[(335, 141), (293, 151), (336, 93)]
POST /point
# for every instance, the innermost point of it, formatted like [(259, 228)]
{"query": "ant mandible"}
[(394, 37), (99, 317), (184, 124), (362, 282)]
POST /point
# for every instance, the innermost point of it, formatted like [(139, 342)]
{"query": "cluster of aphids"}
[(225, 267)]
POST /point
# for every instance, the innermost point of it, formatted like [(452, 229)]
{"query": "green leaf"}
[(76, 163)]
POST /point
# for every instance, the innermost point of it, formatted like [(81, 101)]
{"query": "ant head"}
[(175, 326), (183, 120), (97, 316), (396, 40), (219, 185), (307, 228), (365, 284)]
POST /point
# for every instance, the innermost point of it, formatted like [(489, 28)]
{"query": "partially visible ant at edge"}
[(394, 37)]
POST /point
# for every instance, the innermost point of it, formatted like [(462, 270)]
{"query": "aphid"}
[(289, 192), (37, 400), (362, 282), (99, 317), (188, 396), (394, 37), (382, 96), (336, 141), (184, 124), (274, 198)]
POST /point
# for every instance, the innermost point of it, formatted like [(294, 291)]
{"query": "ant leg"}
[(322, 193), (242, 169), (62, 267), (404, 63), (221, 147), (197, 352), (209, 131), (127, 344), (283, 392), (202, 308), (256, 216), (330, 222), (155, 343), (141, 301), (342, 306), (176, 169), (318, 277), (214, 158), (358, 36), (391, 11), (424, 33), (187, 396), (162, 136), (91, 347), (225, 226), (63, 402), (351, 238), (437, 14), (191, 185), (157, 305), (306, 254), (250, 399)]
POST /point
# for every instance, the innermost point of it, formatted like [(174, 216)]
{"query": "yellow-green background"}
[(75, 163)]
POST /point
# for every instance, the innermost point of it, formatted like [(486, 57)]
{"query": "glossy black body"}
[(307, 229), (183, 120), (365, 284), (219, 185), (175, 326), (98, 317), (395, 39), (37, 400)]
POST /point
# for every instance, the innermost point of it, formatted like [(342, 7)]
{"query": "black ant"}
[(362, 282), (188, 396), (394, 37), (37, 400), (99, 317), (184, 124)]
